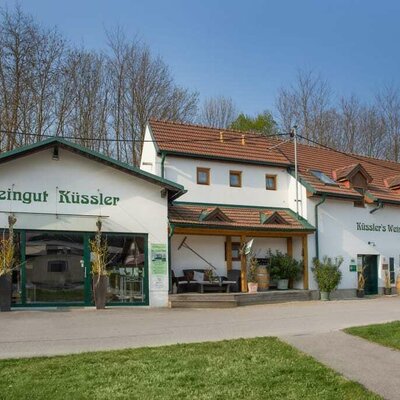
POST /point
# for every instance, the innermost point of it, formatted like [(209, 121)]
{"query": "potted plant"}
[(327, 274), (284, 268), (361, 283), (252, 284), (99, 252), (387, 290), (7, 250)]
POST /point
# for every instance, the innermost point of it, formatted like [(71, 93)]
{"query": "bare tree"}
[(388, 102), (307, 104), (218, 112)]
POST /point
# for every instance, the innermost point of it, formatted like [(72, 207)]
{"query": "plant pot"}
[(387, 291), (325, 296), (252, 287), (5, 292), (360, 293), (100, 291), (283, 284)]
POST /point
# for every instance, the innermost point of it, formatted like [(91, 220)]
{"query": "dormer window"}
[(353, 176), (393, 182)]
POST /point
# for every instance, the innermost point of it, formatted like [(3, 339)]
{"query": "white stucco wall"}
[(253, 192), (149, 160), (141, 209), (338, 236)]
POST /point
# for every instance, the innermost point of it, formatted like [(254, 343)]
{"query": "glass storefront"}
[(53, 268), (54, 265)]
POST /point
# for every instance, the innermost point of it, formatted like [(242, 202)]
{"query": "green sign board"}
[(352, 268), (159, 266)]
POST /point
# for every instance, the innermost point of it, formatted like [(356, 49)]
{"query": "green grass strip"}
[(386, 334), (261, 368)]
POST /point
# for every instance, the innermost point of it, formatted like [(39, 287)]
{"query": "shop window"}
[(235, 178), (391, 270), (235, 251), (126, 261), (203, 176), (270, 182)]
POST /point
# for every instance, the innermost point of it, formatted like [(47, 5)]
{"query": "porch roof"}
[(266, 219)]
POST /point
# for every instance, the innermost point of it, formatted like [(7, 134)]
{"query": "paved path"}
[(374, 366), (40, 332)]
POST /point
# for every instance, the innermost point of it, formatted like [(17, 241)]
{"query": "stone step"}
[(197, 303), (228, 300)]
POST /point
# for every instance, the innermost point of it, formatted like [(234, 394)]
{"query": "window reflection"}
[(125, 266)]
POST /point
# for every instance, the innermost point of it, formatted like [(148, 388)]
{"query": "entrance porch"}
[(213, 237)]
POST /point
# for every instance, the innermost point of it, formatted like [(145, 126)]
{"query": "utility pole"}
[(293, 134)]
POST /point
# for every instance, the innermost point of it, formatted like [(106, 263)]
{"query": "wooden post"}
[(243, 266), (229, 253), (289, 244), (304, 240), (289, 251)]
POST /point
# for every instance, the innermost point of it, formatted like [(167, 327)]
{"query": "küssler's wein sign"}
[(361, 226)]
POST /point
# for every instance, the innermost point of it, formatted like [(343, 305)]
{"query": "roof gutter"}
[(322, 201), (163, 156)]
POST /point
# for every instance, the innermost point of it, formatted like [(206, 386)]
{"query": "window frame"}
[(270, 176), (205, 170), (235, 247), (239, 175)]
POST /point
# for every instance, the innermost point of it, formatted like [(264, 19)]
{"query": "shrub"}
[(284, 266), (327, 273)]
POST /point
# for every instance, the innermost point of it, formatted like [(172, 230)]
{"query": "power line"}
[(357, 157)]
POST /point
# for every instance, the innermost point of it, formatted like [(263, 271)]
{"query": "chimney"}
[(221, 137), (243, 140)]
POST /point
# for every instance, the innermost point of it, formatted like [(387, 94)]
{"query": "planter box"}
[(5, 292), (100, 284)]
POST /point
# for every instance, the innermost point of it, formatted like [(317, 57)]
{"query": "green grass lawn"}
[(262, 368), (385, 334)]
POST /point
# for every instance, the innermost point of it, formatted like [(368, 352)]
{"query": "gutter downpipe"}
[(163, 155), (378, 207), (316, 225)]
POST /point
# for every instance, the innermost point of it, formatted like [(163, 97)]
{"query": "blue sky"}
[(246, 49)]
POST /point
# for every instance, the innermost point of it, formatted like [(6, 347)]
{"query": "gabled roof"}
[(93, 155), (393, 181), (274, 218), (348, 172), (213, 214), (204, 142), (184, 214)]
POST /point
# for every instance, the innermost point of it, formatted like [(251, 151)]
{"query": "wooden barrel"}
[(262, 278)]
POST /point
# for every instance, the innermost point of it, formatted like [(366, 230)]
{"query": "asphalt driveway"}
[(49, 332)]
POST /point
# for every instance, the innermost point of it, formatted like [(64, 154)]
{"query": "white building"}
[(216, 188), (57, 192), (241, 186)]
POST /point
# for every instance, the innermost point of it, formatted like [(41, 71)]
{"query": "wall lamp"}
[(372, 244)]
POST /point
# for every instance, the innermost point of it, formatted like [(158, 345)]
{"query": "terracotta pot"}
[(5, 292), (100, 291), (252, 287)]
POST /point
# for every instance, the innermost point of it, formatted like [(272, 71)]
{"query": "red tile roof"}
[(204, 142), (189, 214)]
